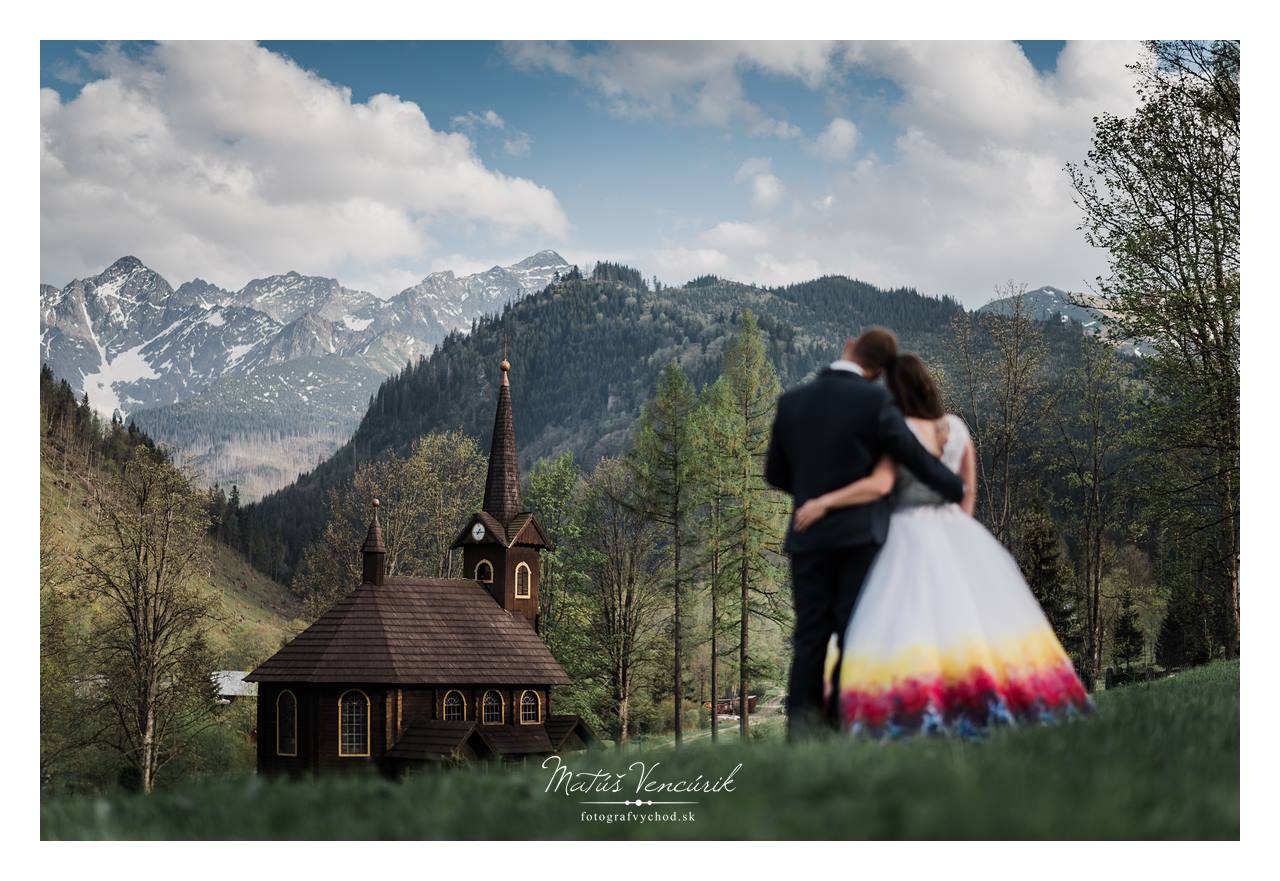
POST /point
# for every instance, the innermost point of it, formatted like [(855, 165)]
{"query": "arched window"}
[(455, 708), (492, 708), (353, 724), (522, 581), (530, 708), (484, 572), (286, 724)]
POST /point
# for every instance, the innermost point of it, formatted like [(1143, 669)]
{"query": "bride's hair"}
[(913, 388)]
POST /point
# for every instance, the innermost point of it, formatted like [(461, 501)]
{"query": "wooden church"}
[(406, 671)]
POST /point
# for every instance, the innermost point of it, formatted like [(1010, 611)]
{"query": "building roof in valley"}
[(424, 631), (231, 683)]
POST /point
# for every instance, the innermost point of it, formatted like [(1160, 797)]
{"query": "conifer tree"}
[(713, 432), (1051, 581), (1128, 640), (756, 514), (661, 463)]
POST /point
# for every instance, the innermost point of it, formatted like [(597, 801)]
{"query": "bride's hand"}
[(810, 513)]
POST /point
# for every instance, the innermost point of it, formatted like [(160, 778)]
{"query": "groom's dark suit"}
[(829, 433)]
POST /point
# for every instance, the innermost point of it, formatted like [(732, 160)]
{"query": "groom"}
[(828, 433)]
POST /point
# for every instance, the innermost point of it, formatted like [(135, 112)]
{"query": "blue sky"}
[(934, 165)]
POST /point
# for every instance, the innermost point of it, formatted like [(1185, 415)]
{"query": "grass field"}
[(1159, 760), (257, 614)]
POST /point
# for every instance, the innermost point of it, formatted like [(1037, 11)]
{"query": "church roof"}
[(502, 485), (431, 740), (422, 631)]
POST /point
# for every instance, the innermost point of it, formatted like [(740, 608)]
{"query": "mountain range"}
[(254, 385), (1053, 304)]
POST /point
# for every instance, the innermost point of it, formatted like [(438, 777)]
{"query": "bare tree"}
[(622, 590), (1095, 430), (141, 565), (1001, 386)]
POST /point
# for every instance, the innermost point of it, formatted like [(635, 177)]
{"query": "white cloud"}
[(517, 145), (752, 167), (228, 160), (471, 120), (728, 234), (698, 81), (837, 141), (973, 194), (766, 189)]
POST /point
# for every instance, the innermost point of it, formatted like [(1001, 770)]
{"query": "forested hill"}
[(585, 353)]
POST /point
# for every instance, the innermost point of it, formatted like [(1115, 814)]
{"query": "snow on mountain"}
[(133, 343), (288, 297), (444, 302), (1053, 304)]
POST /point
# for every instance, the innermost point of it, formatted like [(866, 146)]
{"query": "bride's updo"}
[(913, 388)]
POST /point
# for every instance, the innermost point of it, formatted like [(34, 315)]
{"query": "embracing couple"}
[(909, 616)]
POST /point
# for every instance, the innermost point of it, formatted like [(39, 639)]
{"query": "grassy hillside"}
[(1159, 760), (257, 614)]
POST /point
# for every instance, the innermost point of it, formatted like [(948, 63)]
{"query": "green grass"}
[(1158, 760)]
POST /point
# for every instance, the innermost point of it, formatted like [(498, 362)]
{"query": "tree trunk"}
[(743, 724), (678, 674), (715, 643)]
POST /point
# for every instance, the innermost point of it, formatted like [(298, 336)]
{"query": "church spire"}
[(502, 486)]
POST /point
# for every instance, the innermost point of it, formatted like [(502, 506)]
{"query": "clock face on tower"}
[(477, 532)]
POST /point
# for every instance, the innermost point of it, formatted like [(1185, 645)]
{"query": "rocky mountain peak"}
[(546, 259)]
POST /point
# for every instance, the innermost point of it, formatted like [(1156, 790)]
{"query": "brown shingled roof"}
[(424, 631), (431, 740), (512, 740), (560, 727), (502, 485)]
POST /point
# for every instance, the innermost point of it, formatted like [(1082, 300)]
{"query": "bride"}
[(946, 636)]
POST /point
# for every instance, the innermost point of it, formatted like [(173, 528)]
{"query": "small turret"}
[(375, 552)]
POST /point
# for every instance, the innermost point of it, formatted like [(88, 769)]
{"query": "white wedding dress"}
[(946, 636)]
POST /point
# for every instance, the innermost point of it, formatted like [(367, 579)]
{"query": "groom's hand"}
[(810, 513)]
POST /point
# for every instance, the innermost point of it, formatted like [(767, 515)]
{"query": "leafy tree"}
[(1160, 192), (661, 463), (140, 565), (549, 491), (424, 499)]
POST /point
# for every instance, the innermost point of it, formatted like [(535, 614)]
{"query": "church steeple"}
[(502, 486), (501, 544)]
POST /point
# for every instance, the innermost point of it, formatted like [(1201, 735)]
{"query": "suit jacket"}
[(830, 432)]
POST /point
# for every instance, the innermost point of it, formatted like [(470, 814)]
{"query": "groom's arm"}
[(898, 441)]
